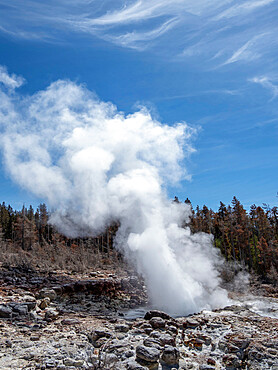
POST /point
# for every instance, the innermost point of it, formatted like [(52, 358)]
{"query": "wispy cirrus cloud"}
[(244, 7), (138, 40), (200, 93), (220, 31), (247, 52), (268, 83)]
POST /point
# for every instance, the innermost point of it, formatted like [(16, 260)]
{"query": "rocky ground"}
[(64, 321)]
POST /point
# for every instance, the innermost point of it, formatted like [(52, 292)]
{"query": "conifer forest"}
[(249, 237)]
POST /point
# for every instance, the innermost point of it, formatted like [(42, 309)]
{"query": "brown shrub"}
[(53, 257)]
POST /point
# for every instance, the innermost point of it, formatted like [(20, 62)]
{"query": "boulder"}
[(153, 343), (133, 365), (146, 327), (155, 313), (157, 322), (20, 309), (172, 329), (167, 339), (170, 355), (147, 354), (5, 311), (110, 360), (190, 324)]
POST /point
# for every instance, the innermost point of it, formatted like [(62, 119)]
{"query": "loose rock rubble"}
[(53, 327)]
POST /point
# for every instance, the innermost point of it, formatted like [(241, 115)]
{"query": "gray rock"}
[(35, 338), (48, 293), (118, 347), (146, 327), (100, 342), (30, 305), (58, 289), (110, 360), (28, 298), (51, 314), (99, 333), (34, 316), (190, 324), (189, 365), (129, 353), (172, 329), (148, 354), (29, 356), (167, 339), (157, 322), (231, 361), (21, 309), (155, 313), (50, 364), (151, 342), (123, 328), (73, 362), (121, 336), (170, 355), (133, 365), (5, 311), (29, 301), (70, 321), (155, 334), (222, 345)]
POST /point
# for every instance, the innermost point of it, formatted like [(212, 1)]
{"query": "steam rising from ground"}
[(95, 165)]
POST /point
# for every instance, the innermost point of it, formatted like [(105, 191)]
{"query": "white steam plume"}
[(95, 165)]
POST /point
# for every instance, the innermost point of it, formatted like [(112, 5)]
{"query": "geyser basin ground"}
[(46, 322)]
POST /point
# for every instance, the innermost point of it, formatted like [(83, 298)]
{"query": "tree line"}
[(27, 227), (249, 237)]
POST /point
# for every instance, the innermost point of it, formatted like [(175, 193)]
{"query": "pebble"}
[(45, 302)]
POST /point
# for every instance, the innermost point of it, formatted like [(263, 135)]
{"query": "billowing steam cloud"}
[(95, 165)]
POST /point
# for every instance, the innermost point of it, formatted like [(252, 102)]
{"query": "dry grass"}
[(55, 257)]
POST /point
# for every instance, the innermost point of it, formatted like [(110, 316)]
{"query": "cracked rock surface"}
[(82, 323)]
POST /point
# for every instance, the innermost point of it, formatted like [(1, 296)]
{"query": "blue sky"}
[(212, 64)]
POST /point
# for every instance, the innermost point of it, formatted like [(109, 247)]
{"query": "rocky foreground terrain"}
[(62, 321)]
